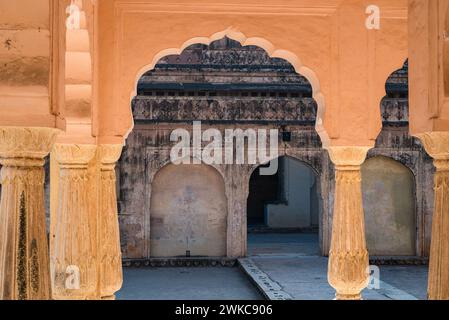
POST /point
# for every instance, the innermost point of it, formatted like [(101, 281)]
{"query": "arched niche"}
[(389, 204), (188, 212)]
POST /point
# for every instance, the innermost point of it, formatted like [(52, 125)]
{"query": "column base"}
[(348, 296)]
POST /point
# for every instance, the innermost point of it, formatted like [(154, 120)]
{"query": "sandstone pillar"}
[(73, 251), (111, 276), (24, 261), (348, 257), (437, 145)]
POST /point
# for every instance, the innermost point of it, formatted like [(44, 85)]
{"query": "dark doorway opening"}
[(284, 210)]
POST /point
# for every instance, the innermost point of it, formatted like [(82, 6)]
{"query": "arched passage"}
[(225, 86), (389, 203), (286, 203), (245, 41), (188, 212)]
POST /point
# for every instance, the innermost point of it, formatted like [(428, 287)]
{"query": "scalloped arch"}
[(266, 45)]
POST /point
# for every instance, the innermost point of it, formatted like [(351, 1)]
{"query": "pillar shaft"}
[(24, 261), (437, 145), (111, 276), (237, 189), (348, 257), (74, 245)]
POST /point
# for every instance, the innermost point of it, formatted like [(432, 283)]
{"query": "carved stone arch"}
[(306, 161), (266, 45)]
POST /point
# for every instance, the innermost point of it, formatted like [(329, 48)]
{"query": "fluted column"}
[(74, 245), (24, 261), (111, 276), (437, 145), (348, 257)]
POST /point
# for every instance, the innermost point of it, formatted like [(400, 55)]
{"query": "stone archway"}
[(390, 209), (166, 100), (262, 43), (188, 212), (294, 194), (288, 26), (289, 202)]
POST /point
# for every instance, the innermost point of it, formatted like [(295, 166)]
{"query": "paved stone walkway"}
[(282, 266), (292, 263), (196, 283)]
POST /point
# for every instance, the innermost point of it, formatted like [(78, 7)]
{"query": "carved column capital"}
[(436, 144), (25, 147), (109, 155), (74, 155), (346, 158)]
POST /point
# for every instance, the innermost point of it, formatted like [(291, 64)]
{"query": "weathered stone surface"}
[(163, 105), (390, 207), (24, 260)]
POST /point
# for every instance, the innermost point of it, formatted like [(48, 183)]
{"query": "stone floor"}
[(214, 283), (290, 261), (293, 262)]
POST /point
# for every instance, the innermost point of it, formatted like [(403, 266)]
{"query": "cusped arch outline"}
[(272, 52)]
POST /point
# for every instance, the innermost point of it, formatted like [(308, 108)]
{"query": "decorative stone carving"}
[(24, 261), (437, 145), (110, 257), (278, 110), (74, 247), (348, 257)]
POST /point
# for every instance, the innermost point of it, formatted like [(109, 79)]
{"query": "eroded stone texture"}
[(228, 86), (24, 260)]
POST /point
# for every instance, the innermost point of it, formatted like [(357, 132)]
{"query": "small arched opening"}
[(284, 210)]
